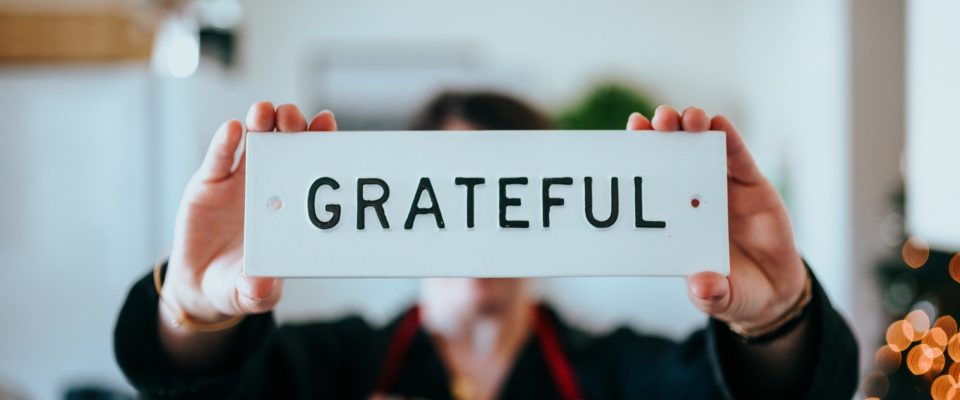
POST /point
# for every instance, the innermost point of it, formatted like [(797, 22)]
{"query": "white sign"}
[(485, 204)]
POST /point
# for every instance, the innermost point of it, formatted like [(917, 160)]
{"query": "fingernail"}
[(720, 293), (273, 289), (246, 290), (269, 294)]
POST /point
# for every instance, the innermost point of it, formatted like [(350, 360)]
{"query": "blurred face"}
[(471, 298), (468, 299)]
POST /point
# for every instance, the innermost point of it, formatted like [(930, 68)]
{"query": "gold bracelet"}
[(184, 320), (795, 311)]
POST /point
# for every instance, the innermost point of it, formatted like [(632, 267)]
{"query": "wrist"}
[(192, 314), (783, 323), (792, 281)]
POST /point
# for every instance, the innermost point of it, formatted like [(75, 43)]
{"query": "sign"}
[(485, 204)]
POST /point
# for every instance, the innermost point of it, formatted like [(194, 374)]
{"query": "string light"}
[(899, 335), (935, 341), (936, 367), (915, 252), (887, 359), (948, 324), (931, 352), (953, 348), (875, 384), (954, 371), (943, 388), (954, 267), (920, 322), (917, 361)]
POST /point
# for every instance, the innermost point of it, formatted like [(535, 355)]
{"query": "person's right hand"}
[(204, 275)]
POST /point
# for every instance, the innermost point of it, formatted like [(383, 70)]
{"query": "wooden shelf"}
[(89, 36)]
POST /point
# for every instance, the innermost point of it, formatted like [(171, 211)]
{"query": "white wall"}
[(932, 99), (765, 65), (73, 219), (793, 88)]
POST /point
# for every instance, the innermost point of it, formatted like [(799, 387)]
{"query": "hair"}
[(485, 110)]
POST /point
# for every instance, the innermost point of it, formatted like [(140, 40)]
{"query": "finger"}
[(666, 119), (637, 122), (694, 120), (710, 292), (256, 295), (290, 119), (740, 164), (220, 154), (231, 293), (261, 117), (324, 121), (241, 167)]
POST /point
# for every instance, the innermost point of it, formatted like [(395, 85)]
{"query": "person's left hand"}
[(767, 275)]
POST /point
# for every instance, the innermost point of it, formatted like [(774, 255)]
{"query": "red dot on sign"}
[(695, 203)]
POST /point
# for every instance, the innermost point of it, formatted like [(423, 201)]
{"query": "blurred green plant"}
[(605, 107)]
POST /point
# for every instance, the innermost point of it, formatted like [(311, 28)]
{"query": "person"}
[(771, 332)]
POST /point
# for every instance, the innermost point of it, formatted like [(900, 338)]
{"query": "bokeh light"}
[(948, 324), (888, 359), (935, 341), (901, 293), (917, 360), (954, 267), (915, 252), (927, 345), (899, 335), (936, 367), (953, 348), (954, 371), (875, 384), (944, 388), (920, 321)]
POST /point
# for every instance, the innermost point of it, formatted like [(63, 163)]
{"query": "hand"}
[(205, 273), (766, 273)]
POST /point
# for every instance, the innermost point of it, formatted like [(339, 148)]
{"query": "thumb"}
[(233, 293), (257, 295), (218, 163), (710, 292)]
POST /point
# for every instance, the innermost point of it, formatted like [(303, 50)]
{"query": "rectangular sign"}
[(485, 204)]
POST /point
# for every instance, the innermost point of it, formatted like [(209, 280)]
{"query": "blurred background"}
[(107, 107)]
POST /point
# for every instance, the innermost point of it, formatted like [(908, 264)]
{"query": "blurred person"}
[(771, 332)]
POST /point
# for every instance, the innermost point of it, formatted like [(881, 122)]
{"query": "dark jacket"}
[(342, 359)]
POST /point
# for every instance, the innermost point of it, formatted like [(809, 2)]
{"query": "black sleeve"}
[(626, 365), (145, 363), (835, 355)]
